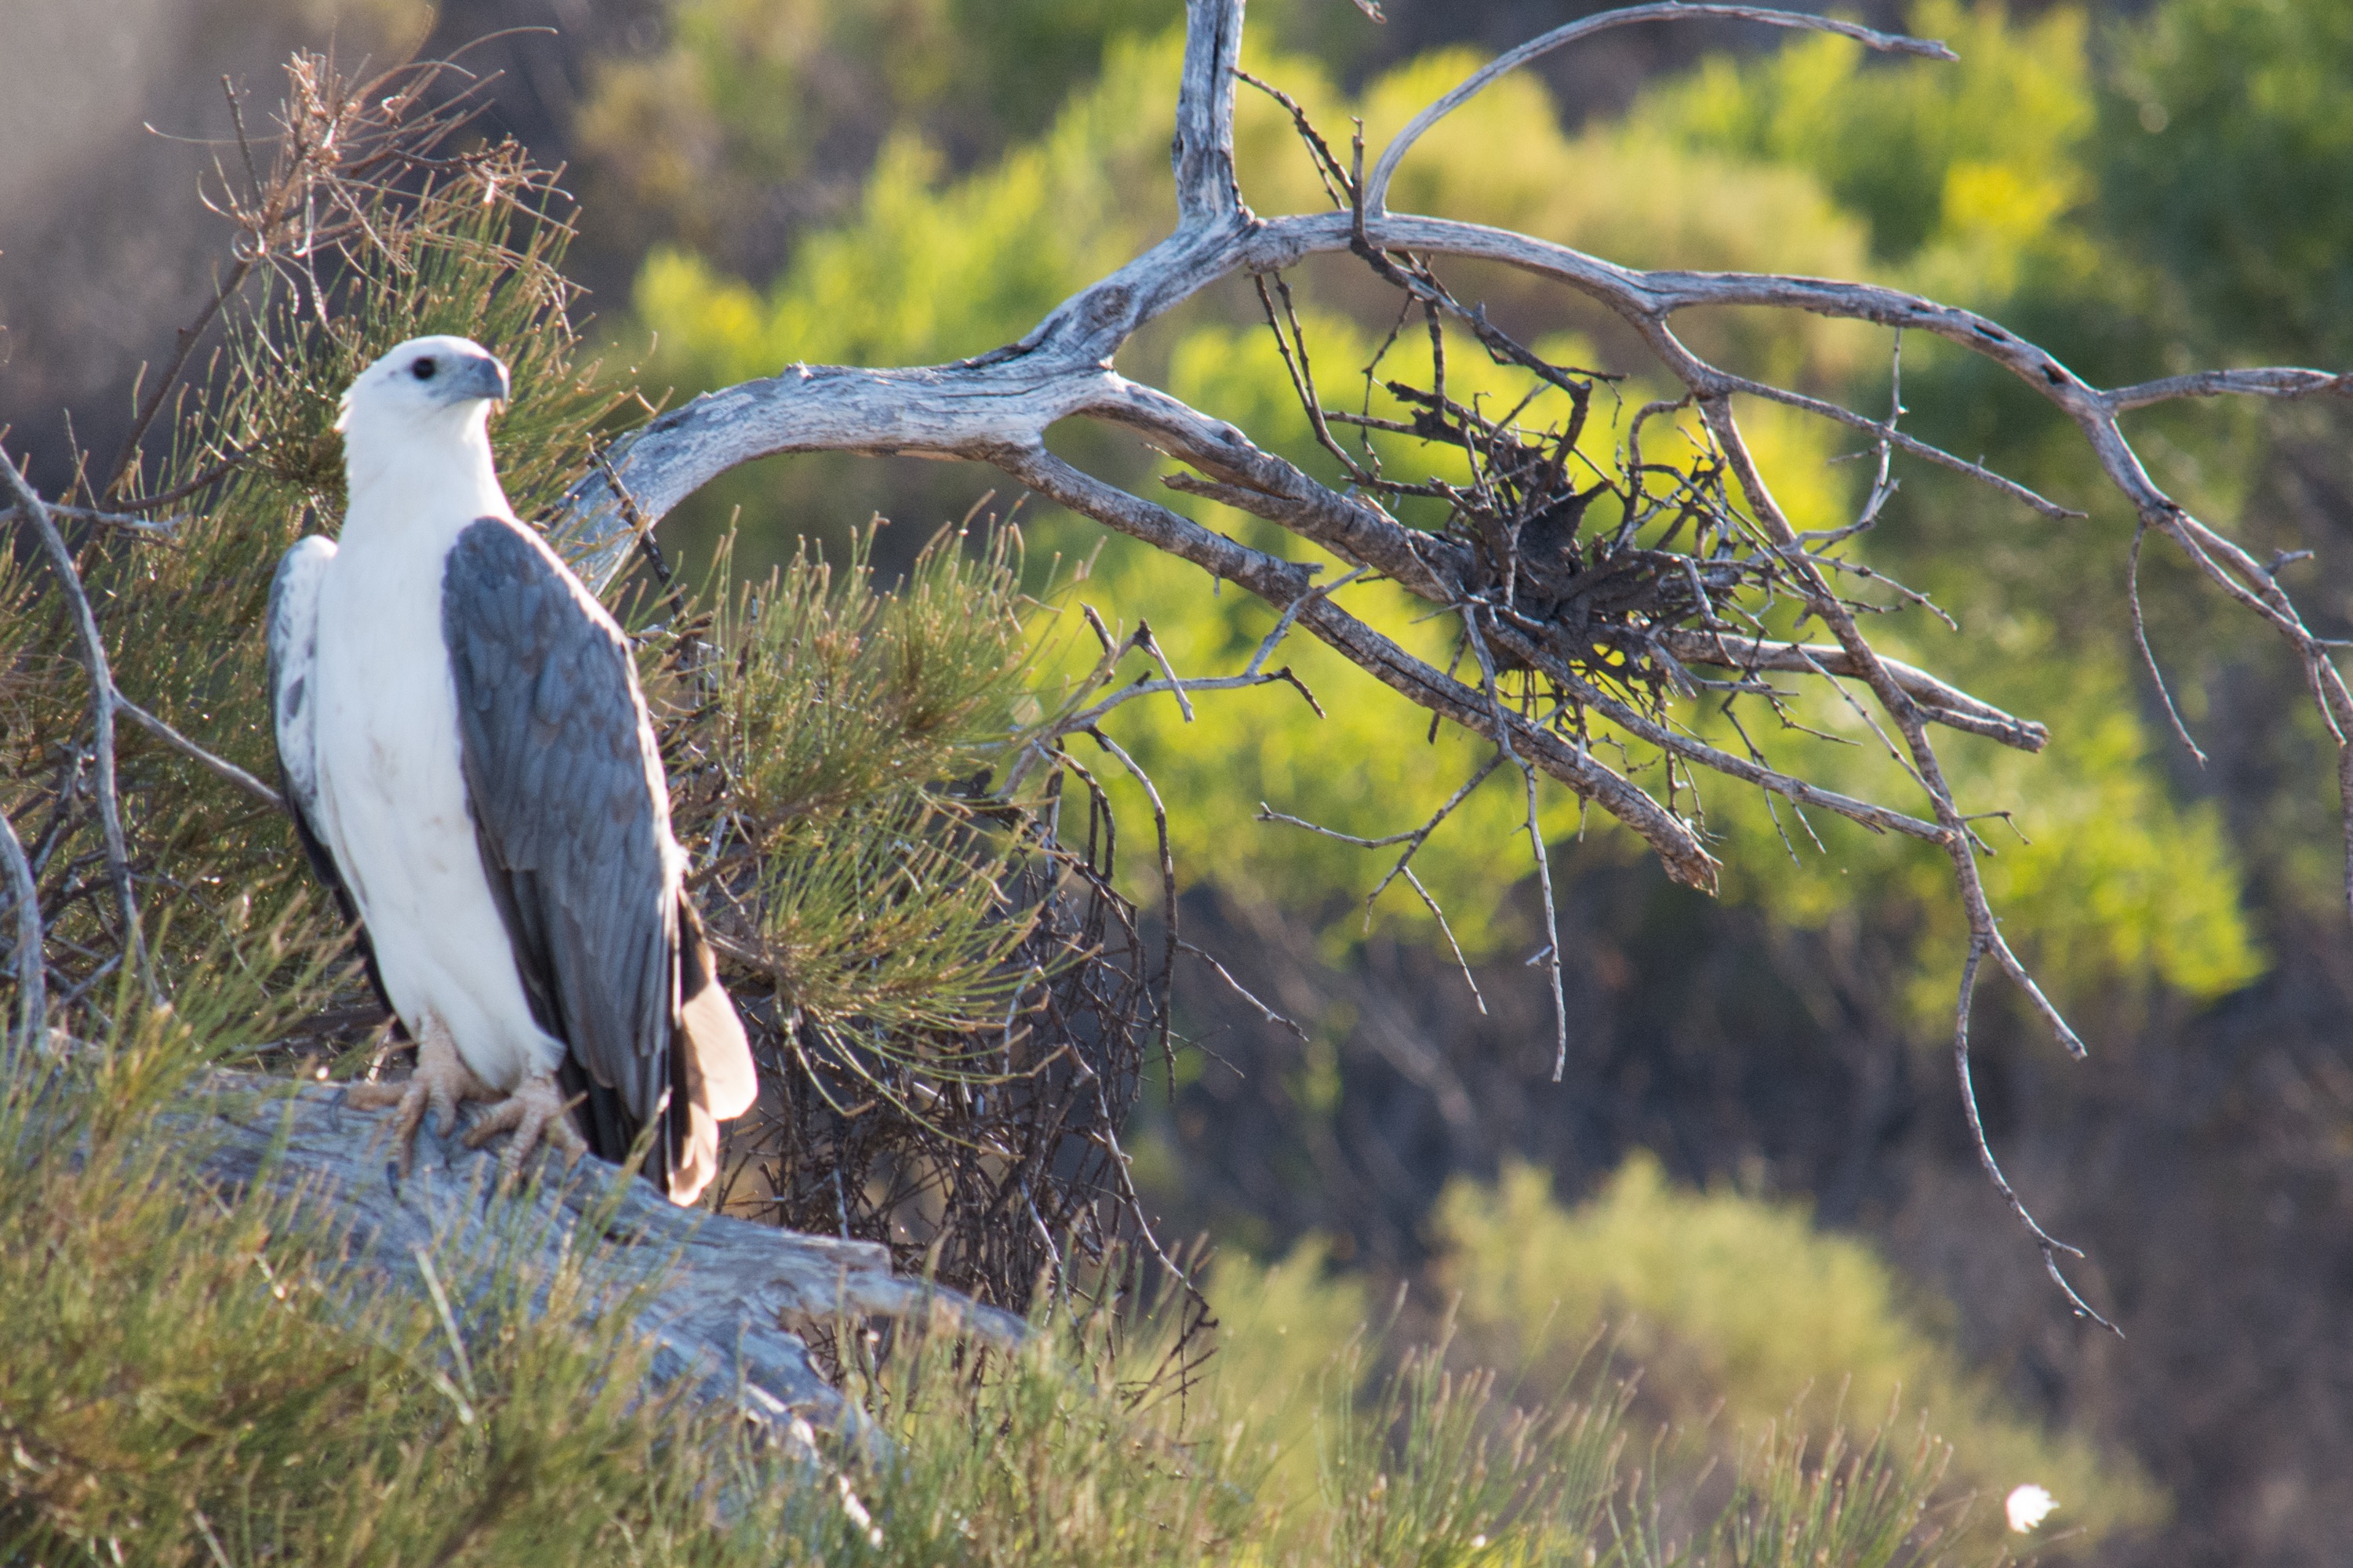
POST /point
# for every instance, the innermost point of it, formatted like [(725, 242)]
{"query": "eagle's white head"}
[(415, 423), (427, 386)]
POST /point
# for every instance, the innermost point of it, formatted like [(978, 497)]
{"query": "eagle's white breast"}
[(392, 788)]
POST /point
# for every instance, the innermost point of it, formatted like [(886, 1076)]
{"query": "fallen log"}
[(718, 1296)]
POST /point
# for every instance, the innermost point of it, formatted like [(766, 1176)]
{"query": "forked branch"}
[(995, 407)]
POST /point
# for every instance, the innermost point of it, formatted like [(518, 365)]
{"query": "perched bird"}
[(473, 772)]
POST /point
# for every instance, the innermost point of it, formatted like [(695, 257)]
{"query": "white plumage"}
[(471, 765), (392, 793)]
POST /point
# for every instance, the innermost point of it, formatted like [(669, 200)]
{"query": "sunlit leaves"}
[(1809, 160), (1730, 1299), (2228, 139)]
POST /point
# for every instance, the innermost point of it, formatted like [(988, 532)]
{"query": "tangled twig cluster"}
[(1552, 704)]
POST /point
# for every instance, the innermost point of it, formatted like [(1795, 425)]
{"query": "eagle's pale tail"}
[(719, 1082)]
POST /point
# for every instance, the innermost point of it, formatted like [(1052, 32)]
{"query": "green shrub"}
[(1740, 1314), (181, 1385)]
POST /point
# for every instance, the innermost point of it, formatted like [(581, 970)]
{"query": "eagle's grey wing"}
[(566, 788), (293, 666)]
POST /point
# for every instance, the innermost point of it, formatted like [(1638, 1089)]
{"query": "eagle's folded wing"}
[(569, 814)]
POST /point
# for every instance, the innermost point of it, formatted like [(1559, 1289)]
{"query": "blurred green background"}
[(1756, 1179)]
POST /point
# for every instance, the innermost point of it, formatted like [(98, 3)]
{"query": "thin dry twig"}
[(1239, 990), (121, 522), (1454, 947), (2052, 1246), (219, 766), (2148, 654), (1377, 187)]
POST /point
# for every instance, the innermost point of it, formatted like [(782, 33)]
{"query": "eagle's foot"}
[(440, 1082), (535, 1113)]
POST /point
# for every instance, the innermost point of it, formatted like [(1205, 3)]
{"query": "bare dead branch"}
[(995, 408), (1879, 819), (1239, 990), (1167, 859), (1551, 953), (103, 697), (1985, 930), (2270, 383), (1204, 152), (1454, 947), (138, 527), (726, 1294), (969, 408), (2052, 1246), (219, 766), (1376, 188), (1281, 582), (1145, 639), (1337, 184), (1413, 839), (1940, 702), (1887, 432), (2148, 654), (184, 344), (1180, 689)]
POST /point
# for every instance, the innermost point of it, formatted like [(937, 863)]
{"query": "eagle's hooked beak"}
[(483, 377)]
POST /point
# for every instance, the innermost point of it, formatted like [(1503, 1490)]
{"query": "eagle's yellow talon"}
[(535, 1113), (440, 1083)]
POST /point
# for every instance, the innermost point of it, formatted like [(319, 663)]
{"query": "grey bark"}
[(720, 1295), (995, 407)]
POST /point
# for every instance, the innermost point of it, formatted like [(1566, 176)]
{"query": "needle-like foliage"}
[(948, 1004), (183, 1386)]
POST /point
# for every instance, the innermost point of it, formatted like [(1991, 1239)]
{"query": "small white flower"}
[(2028, 1505)]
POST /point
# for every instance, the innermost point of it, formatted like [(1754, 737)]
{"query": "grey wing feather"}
[(565, 790), (293, 666)]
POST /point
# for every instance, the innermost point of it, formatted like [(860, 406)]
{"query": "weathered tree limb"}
[(121, 521), (721, 1296), (1280, 583), (219, 766), (1376, 188), (1985, 929), (995, 407), (1939, 703), (2277, 382), (102, 696)]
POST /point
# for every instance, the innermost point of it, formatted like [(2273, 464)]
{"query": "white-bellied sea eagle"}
[(473, 772)]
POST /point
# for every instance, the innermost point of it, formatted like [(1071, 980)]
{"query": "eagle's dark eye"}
[(424, 368)]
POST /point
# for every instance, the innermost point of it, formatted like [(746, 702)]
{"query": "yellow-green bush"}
[(1739, 1309), (187, 1382), (2121, 887), (1730, 1321)]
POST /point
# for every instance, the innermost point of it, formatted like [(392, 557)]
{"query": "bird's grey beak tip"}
[(490, 379)]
